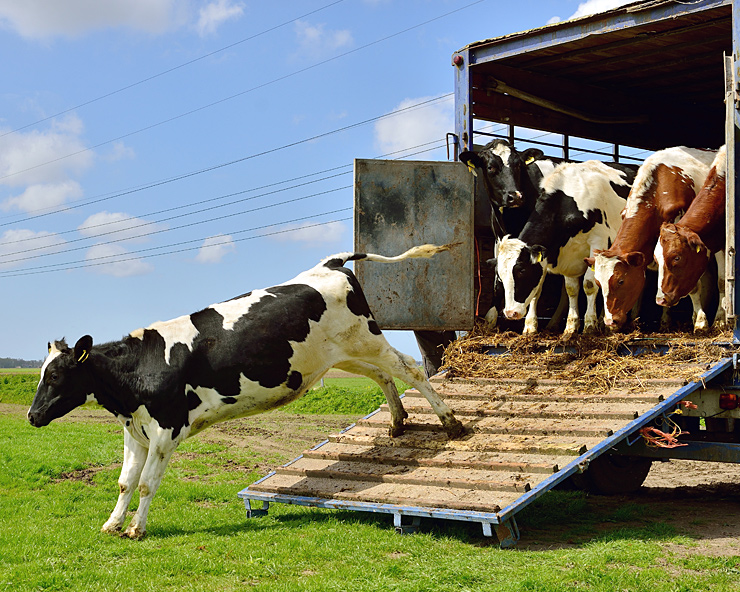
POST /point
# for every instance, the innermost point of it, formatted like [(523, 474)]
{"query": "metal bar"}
[(463, 97), (732, 131), (581, 463), (567, 32)]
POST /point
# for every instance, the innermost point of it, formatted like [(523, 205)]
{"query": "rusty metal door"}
[(401, 204)]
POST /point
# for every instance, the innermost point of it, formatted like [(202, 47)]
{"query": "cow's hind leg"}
[(134, 457), (385, 380), (403, 367), (572, 287), (161, 448), (591, 288)]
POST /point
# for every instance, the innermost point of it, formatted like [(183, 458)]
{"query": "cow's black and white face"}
[(503, 168), (63, 382), (522, 270)]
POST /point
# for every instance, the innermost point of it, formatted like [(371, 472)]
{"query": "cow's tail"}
[(421, 251)]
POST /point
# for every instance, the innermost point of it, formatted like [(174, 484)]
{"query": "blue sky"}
[(217, 135)]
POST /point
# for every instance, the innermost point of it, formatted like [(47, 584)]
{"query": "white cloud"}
[(118, 226), (119, 151), (311, 233), (38, 156), (37, 19), (316, 41), (414, 127), (592, 7), (553, 20), (216, 13), (14, 241), (43, 196), (129, 267), (215, 248)]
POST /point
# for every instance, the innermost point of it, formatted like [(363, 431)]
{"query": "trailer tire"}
[(611, 474)]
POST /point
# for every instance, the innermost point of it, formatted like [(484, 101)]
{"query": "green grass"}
[(18, 387), (199, 539), (59, 484)]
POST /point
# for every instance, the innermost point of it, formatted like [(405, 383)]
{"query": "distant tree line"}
[(16, 363)]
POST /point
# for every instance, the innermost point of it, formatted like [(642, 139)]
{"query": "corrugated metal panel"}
[(401, 204)]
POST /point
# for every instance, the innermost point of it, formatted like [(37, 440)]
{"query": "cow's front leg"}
[(572, 286), (700, 317), (388, 386), (161, 448), (530, 321), (591, 288), (134, 457)]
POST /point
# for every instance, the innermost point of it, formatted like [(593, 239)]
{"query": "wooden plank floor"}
[(518, 434)]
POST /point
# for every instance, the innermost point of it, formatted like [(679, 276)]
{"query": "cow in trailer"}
[(512, 182), (578, 211), (233, 359), (684, 248), (665, 186)]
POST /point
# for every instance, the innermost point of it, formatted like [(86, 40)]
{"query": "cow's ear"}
[(538, 253), (531, 154), (469, 157), (82, 348), (590, 261), (667, 227), (491, 262), (695, 242), (634, 259)]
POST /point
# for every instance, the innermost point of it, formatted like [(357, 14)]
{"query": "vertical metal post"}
[(566, 146), (730, 192), (463, 101), (512, 135), (616, 153)]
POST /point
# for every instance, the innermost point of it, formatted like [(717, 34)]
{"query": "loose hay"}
[(590, 362)]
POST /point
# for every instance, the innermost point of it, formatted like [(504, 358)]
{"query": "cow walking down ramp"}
[(233, 359)]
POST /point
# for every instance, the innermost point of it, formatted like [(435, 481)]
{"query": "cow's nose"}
[(514, 199), (512, 314)]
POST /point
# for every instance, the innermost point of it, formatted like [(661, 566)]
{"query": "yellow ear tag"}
[(84, 356), (471, 168), (530, 160), (593, 268), (698, 249), (539, 257)]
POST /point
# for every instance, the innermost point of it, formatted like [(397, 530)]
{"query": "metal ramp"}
[(525, 437)]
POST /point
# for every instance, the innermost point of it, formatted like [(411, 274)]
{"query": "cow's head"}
[(65, 382), (682, 258), (621, 279), (503, 168), (521, 268)]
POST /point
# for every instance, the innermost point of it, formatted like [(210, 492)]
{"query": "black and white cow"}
[(236, 358), (512, 181), (579, 210)]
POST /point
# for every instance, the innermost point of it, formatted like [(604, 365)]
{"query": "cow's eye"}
[(620, 282), (677, 258), (54, 377)]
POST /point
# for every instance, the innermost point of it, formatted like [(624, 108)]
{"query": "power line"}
[(230, 163), (53, 266), (207, 220), (72, 265), (242, 93), (168, 71)]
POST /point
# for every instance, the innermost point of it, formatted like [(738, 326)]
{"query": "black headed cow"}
[(236, 358)]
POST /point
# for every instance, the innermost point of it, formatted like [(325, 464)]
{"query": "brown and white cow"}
[(236, 358), (665, 186), (684, 248)]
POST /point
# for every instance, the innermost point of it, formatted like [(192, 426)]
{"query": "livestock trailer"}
[(648, 75)]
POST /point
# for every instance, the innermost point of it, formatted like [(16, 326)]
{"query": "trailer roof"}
[(649, 74)]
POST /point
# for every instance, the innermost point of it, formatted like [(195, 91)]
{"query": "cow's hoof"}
[(396, 431), (111, 528), (455, 430), (134, 534)]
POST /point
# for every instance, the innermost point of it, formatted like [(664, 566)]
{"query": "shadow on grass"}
[(559, 519)]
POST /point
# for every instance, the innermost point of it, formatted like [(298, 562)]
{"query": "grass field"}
[(59, 485)]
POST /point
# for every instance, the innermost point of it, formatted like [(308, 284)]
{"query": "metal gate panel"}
[(401, 204)]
